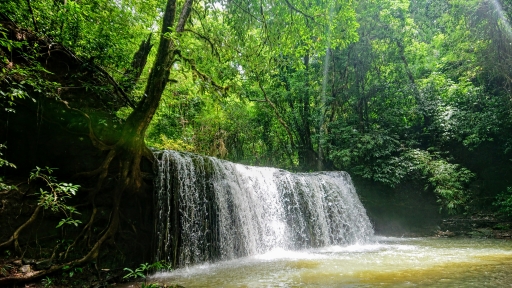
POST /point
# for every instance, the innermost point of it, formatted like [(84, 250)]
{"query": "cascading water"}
[(210, 209)]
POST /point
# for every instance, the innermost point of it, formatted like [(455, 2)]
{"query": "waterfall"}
[(210, 209)]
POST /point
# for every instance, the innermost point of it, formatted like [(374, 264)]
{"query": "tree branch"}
[(185, 12), (214, 50), (116, 85), (203, 76), (32, 14), (247, 12), (92, 136), (298, 11), (278, 115)]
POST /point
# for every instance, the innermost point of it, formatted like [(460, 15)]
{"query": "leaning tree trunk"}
[(131, 147)]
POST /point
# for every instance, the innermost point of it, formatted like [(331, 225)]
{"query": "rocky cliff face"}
[(476, 226), (406, 210)]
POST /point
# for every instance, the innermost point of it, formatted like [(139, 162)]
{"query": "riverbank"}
[(476, 226)]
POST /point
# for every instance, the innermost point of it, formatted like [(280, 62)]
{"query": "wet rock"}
[(17, 262), (446, 233), (25, 269), (43, 264), (503, 234), (478, 226), (27, 261), (481, 233)]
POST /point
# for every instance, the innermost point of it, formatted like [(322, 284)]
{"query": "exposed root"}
[(103, 169), (87, 229), (54, 252), (15, 235), (93, 252), (122, 157), (130, 178)]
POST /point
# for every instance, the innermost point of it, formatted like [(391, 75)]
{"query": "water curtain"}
[(210, 209)]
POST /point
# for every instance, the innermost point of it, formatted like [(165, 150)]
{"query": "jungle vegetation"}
[(390, 91)]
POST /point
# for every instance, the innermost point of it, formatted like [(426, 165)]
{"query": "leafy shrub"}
[(55, 198), (172, 144), (3, 162), (449, 181), (374, 155), (504, 202), (382, 157)]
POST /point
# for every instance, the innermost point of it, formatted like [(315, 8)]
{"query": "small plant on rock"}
[(139, 272), (145, 268)]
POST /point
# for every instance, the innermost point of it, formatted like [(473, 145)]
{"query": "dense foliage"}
[(387, 90)]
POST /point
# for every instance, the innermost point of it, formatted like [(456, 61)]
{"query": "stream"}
[(388, 262)]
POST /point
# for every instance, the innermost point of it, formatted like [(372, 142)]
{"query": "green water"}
[(390, 262)]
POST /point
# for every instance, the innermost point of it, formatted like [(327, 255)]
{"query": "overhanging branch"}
[(203, 76), (290, 5), (214, 50)]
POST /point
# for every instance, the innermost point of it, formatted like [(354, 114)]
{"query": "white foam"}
[(279, 253)]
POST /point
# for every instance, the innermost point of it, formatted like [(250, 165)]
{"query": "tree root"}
[(86, 228), (92, 254), (15, 235), (102, 170), (130, 177), (123, 157)]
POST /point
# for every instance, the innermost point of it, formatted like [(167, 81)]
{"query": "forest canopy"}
[(391, 91)]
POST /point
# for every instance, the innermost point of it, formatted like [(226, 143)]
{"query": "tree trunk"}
[(140, 58), (307, 155), (138, 121), (130, 148), (132, 138)]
